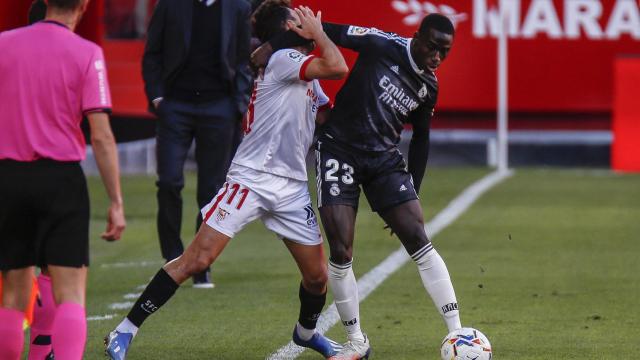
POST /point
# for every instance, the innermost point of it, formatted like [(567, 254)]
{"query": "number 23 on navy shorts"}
[(283, 204), (382, 175)]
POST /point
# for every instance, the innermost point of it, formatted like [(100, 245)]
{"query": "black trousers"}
[(216, 128)]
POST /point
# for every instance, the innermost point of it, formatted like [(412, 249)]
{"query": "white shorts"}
[(283, 205)]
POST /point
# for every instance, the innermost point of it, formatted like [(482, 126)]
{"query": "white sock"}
[(127, 326), (436, 280), (345, 293), (304, 333)]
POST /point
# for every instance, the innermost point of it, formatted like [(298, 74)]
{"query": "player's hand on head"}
[(310, 23), (116, 222)]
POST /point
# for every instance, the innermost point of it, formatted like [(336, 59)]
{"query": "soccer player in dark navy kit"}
[(392, 83)]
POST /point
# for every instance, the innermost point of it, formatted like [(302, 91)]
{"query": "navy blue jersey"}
[(384, 91)]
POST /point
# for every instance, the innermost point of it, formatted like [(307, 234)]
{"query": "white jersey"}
[(281, 117)]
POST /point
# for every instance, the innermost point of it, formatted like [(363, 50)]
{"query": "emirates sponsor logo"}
[(395, 97)]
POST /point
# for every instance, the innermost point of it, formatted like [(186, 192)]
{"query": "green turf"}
[(546, 264)]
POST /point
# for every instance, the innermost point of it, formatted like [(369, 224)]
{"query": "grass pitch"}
[(546, 264)]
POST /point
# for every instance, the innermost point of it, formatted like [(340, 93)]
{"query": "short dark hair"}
[(437, 22), (37, 11), (65, 4), (269, 19)]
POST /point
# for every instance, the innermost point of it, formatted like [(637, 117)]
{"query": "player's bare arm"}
[(104, 147), (330, 64)]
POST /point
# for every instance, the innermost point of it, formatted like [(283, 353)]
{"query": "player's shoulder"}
[(286, 57), (291, 55)]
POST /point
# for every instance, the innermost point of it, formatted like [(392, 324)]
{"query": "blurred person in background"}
[(44, 203), (197, 80)]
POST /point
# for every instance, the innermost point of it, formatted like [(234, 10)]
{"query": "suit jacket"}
[(169, 38)]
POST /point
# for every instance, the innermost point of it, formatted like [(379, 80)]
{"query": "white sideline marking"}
[(371, 280), (121, 305), (131, 264), (130, 296), (101, 317)]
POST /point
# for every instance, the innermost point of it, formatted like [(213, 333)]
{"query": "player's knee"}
[(414, 238), (202, 262), (340, 257), (340, 253), (316, 282)]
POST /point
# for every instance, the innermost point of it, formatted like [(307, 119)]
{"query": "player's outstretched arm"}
[(104, 149), (330, 64)]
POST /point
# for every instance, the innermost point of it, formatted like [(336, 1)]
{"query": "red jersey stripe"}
[(215, 205), (303, 68)]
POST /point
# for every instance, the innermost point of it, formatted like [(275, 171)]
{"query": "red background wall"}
[(625, 150), (548, 75), (566, 75)]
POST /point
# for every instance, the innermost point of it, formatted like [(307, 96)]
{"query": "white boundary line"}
[(134, 264), (371, 280), (101, 317), (119, 305)]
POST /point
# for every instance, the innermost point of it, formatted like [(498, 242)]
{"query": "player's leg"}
[(313, 288), (406, 220), (392, 195), (292, 217), (338, 179), (198, 256), (338, 222), (312, 294), (16, 289), (214, 234), (43, 315)]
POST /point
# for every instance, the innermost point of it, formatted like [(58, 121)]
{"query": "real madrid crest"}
[(334, 190), (423, 91)]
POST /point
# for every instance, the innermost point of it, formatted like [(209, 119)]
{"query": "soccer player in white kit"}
[(267, 179)]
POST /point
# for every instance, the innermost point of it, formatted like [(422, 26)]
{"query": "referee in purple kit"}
[(44, 202)]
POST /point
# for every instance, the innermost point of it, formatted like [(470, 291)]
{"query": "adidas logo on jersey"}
[(403, 188), (395, 69)]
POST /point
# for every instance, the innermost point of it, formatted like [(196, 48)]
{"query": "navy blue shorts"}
[(44, 214), (340, 172)]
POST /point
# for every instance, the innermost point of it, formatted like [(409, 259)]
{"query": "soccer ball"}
[(466, 344)]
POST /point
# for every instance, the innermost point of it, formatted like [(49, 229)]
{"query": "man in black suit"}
[(197, 80)]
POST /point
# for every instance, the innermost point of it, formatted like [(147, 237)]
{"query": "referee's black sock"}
[(310, 308), (157, 293)]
